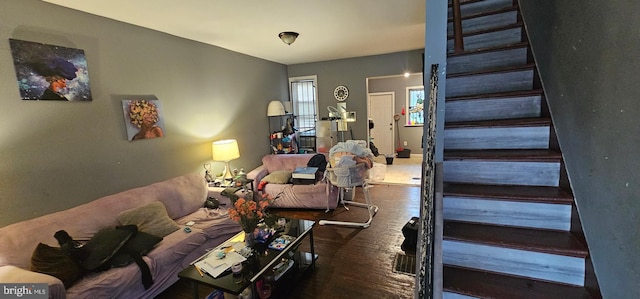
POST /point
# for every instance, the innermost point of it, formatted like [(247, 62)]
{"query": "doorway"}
[(381, 107)]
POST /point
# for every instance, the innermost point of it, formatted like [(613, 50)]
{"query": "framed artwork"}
[(415, 103), (47, 72), (143, 119)]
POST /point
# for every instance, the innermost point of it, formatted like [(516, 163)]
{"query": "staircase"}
[(511, 228)]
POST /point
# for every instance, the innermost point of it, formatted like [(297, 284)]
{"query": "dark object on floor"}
[(410, 233), (404, 264), (404, 153), (374, 149), (389, 160)]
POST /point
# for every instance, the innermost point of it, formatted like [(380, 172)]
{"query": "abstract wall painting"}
[(143, 119), (48, 72)]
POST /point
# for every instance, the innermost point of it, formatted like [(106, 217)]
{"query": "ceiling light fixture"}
[(288, 37)]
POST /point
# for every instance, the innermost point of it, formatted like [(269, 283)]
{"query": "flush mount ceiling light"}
[(288, 37)]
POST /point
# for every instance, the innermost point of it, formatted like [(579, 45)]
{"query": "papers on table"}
[(215, 266)]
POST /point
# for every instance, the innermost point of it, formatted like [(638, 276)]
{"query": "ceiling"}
[(329, 29)]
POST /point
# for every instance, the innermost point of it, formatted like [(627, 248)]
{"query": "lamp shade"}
[(225, 150), (275, 108)]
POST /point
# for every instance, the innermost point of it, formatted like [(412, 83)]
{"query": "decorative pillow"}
[(53, 261), (151, 218), (278, 177)]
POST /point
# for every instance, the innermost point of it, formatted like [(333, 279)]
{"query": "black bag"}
[(112, 247), (410, 233), (318, 160)]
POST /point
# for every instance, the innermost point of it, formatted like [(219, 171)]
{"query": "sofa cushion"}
[(278, 177), (151, 218), (181, 195), (53, 261), (285, 162), (119, 282)]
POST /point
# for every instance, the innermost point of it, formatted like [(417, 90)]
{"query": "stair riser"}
[(556, 268), (510, 213), (492, 108), (486, 22), (497, 138), (449, 295), (486, 60), (489, 83), (482, 6), (502, 173), (489, 39)]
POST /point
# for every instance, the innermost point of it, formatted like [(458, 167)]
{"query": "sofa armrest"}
[(13, 274), (257, 175)]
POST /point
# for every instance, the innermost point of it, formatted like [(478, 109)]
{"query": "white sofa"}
[(183, 198)]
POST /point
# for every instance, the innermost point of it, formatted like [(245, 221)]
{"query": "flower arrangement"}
[(248, 211)]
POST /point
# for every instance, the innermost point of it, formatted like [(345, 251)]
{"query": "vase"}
[(249, 239)]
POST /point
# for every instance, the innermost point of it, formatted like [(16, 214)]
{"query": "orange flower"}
[(248, 212)]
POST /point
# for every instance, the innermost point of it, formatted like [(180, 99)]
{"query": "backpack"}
[(318, 160)]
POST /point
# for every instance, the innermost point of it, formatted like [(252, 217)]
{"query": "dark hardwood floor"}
[(352, 262)]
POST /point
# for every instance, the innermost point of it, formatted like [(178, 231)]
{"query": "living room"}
[(59, 155)]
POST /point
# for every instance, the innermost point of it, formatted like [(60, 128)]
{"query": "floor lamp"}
[(225, 151)]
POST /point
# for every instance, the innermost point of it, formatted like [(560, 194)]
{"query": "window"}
[(415, 104), (305, 107)]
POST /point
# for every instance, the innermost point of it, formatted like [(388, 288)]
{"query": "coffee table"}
[(262, 263)]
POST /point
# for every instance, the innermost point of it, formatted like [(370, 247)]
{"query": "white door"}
[(381, 109)]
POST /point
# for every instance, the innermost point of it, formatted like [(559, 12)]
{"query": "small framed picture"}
[(143, 119)]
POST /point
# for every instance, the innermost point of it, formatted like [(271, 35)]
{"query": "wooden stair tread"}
[(542, 155), (490, 30), (506, 95), (524, 67), (539, 240), (489, 49), (541, 194), (513, 122), (463, 2), (484, 284), (486, 13)]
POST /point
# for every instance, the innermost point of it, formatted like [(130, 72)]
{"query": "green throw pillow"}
[(278, 177), (151, 218)]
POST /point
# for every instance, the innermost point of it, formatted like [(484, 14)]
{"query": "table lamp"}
[(225, 151)]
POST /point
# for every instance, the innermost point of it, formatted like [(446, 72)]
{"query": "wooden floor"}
[(352, 263)]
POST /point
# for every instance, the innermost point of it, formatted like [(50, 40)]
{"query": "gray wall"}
[(352, 73), (398, 84), (55, 155), (586, 53)]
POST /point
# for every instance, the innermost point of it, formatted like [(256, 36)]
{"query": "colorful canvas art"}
[(143, 119), (47, 72)]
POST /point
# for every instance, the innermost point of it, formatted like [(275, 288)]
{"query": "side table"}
[(215, 191)]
